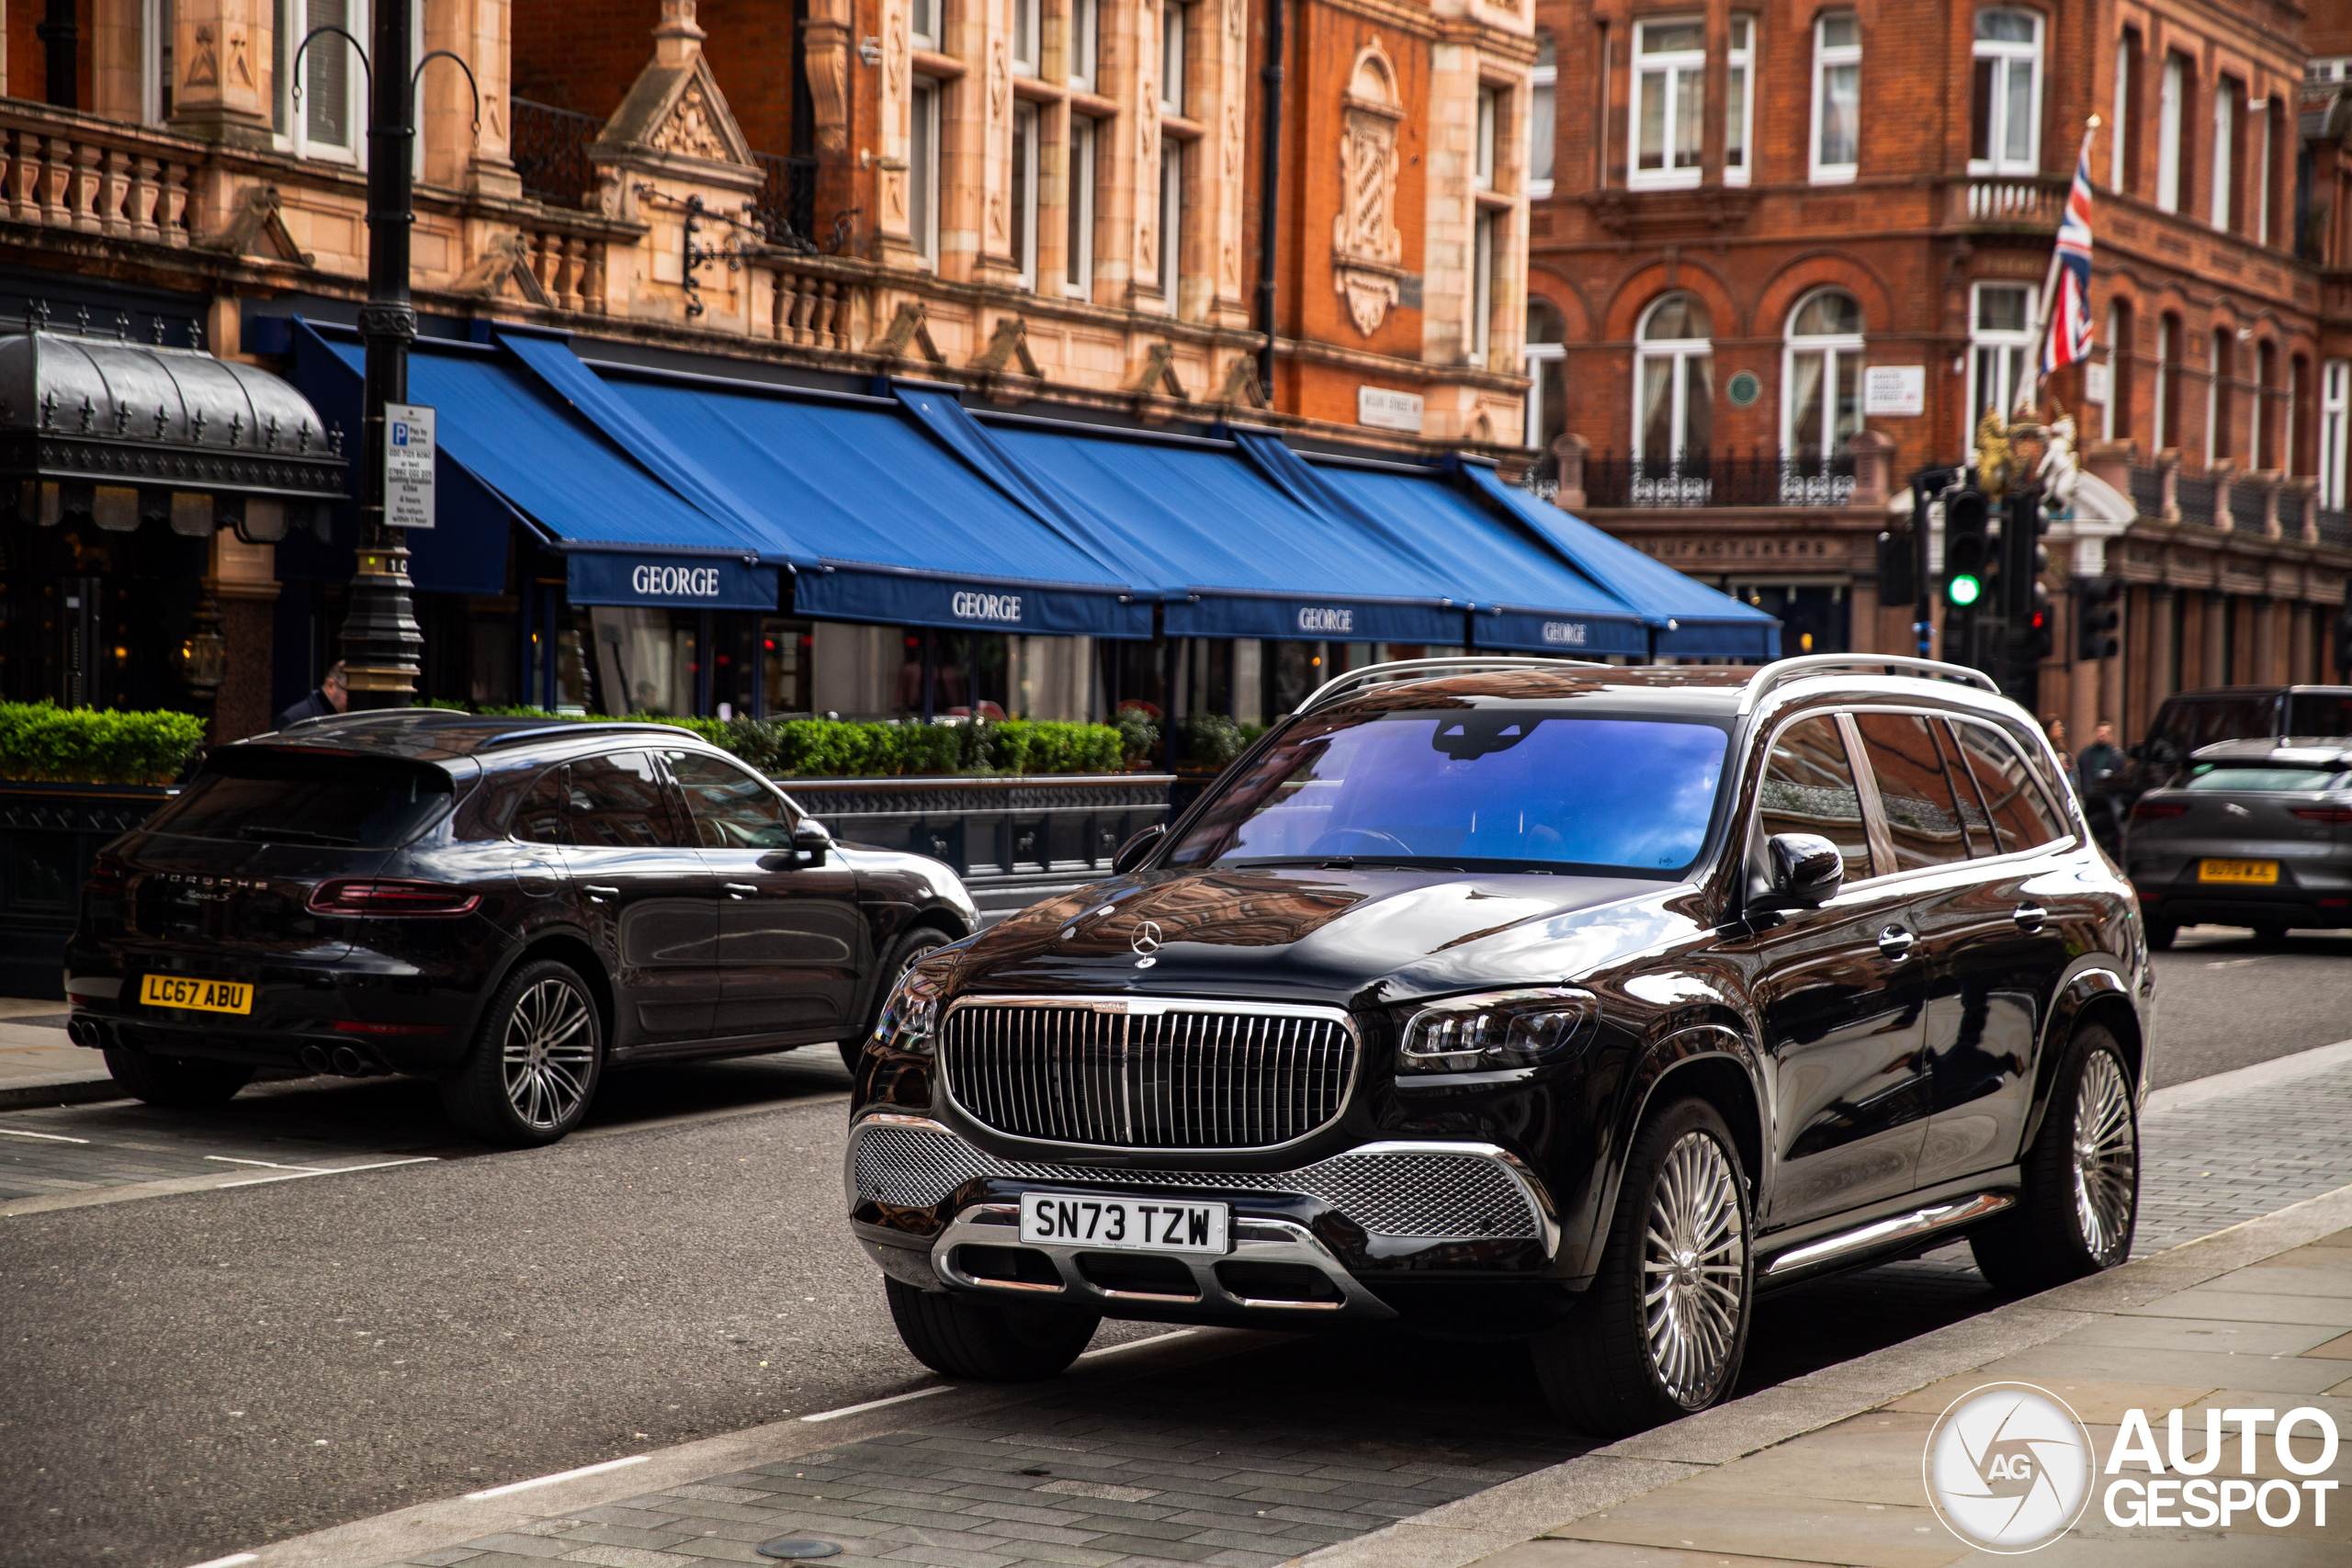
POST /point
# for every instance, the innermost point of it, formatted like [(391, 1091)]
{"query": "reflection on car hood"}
[(1305, 934)]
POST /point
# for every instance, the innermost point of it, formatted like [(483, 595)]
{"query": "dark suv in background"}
[(505, 905), (1515, 998)]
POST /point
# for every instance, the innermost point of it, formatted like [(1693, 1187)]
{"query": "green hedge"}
[(830, 748), (43, 743)]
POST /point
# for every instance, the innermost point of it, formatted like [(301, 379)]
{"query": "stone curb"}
[(1461, 1533), (61, 1088)]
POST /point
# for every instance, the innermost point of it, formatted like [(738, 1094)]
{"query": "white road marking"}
[(266, 1164), (551, 1480), (1136, 1344), (54, 1138), (878, 1404), (335, 1170), (231, 1560)]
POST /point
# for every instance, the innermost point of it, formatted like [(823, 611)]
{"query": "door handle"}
[(599, 892), (742, 890), (1895, 945), (2029, 917)]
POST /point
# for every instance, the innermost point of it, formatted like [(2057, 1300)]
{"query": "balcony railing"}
[(787, 205), (1542, 477), (2194, 494), (2246, 508), (1720, 479), (2334, 528), (551, 152), (2026, 201), (2148, 490), (66, 171)]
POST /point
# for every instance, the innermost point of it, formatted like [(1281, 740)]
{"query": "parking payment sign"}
[(408, 466)]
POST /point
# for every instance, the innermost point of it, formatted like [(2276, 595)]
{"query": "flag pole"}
[(2050, 283)]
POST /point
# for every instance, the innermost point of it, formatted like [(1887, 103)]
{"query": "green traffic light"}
[(1963, 591)]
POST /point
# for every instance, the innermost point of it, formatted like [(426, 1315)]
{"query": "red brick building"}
[(1791, 253)]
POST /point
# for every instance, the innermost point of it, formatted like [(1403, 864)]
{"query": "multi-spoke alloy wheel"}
[(535, 1064), (1694, 1268), (549, 1047), (2107, 1160)]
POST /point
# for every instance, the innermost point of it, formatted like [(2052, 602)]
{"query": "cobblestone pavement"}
[(1248, 1462)]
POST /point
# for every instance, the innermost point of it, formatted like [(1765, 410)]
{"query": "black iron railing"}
[(2246, 508), (2334, 528), (2148, 491), (787, 204), (1720, 479), (551, 152), (1542, 478), (2195, 495)]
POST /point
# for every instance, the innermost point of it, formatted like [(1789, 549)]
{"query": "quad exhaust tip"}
[(343, 1061)]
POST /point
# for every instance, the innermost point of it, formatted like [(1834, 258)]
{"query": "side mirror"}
[(811, 843), (1138, 849), (1805, 871)]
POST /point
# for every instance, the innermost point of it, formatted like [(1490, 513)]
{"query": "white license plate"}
[(1128, 1225)]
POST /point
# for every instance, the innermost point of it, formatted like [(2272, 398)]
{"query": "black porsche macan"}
[(1518, 999), (508, 906)]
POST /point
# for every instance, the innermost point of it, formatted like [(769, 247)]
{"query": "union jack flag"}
[(2070, 313)]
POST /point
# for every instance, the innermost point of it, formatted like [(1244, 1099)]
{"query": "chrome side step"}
[(1880, 1232)]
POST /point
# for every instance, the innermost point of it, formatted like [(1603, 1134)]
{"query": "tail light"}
[(108, 879), (385, 895), (2338, 814), (2157, 810)]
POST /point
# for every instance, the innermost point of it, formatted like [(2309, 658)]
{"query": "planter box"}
[(47, 834), (1013, 840)]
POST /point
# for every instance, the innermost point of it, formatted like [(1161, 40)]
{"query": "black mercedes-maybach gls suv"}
[(1527, 999)]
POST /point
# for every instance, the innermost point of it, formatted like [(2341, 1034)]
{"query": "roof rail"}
[(584, 727), (1781, 671), (1427, 668)]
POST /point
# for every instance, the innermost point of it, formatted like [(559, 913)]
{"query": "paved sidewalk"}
[(38, 1066)]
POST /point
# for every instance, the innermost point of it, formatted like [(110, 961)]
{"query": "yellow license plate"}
[(2260, 872), (202, 995)]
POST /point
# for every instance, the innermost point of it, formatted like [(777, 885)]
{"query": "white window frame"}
[(1171, 219), (1077, 262), (2260, 109), (1082, 60), (1831, 347), (1028, 36), (1022, 171), (1173, 19), (2004, 51), (1670, 69), (1827, 57), (2226, 140), (295, 137), (2006, 352), (2119, 122), (1482, 163), (1534, 357), (923, 22), (922, 165), (2261, 392), (1740, 86), (1543, 115), (1482, 281), (1679, 350), (156, 79), (2172, 90), (2334, 421)]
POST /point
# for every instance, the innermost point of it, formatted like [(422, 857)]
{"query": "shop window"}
[(1674, 382), (1669, 101), (1821, 376), (2005, 94), (2000, 343), (1836, 96), (1542, 132), (1815, 617)]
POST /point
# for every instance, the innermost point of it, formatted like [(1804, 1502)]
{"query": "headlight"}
[(911, 1015), (1499, 1029)]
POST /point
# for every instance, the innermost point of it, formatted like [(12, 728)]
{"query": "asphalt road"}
[(184, 1376)]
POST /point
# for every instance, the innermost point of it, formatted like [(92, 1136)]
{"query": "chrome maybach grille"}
[(1419, 1194), (1148, 1074)]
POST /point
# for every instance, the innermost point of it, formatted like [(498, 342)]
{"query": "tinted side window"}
[(2021, 814), (2319, 712), (2238, 718), (1808, 787), (1981, 840), (1915, 792), (539, 818), (733, 810), (617, 802)]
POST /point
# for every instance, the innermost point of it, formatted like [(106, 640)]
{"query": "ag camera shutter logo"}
[(2008, 1468)]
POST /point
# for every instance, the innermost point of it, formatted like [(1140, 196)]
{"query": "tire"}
[(2081, 1198), (987, 1341), (910, 950), (534, 1066), (2161, 934), (180, 1083), (1621, 1364)]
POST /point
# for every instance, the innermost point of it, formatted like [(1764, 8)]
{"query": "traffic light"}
[(1898, 583), (2099, 617), (1966, 544)]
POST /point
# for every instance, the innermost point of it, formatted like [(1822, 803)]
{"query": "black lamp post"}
[(381, 641)]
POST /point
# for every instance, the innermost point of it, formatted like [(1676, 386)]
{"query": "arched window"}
[(1547, 399), (1821, 376), (1674, 383)]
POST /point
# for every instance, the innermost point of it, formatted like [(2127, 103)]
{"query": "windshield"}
[(2270, 778), (2319, 712), (260, 796), (1496, 787)]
